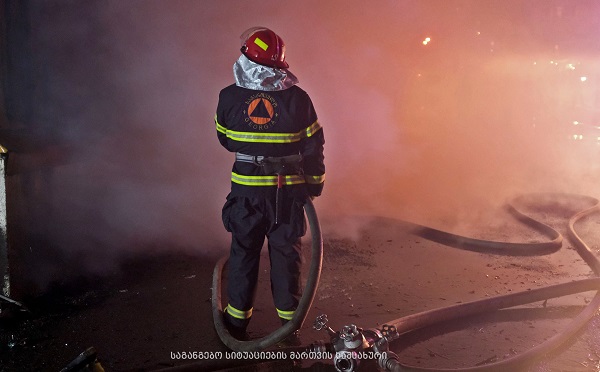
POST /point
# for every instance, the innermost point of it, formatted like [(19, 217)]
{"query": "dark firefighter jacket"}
[(272, 124)]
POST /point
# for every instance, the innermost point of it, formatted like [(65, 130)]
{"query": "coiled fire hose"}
[(304, 304)]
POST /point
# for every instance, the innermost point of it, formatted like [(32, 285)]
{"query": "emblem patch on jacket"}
[(261, 111)]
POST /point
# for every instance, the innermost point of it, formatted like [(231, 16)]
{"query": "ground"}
[(144, 315)]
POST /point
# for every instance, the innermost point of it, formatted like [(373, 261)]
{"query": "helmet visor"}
[(246, 34)]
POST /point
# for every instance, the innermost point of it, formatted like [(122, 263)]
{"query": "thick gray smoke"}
[(427, 106)]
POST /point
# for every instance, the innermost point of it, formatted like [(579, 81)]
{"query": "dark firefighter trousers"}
[(250, 220)]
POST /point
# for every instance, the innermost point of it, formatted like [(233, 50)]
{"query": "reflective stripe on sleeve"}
[(239, 314), (265, 180), (314, 128), (314, 180), (220, 128)]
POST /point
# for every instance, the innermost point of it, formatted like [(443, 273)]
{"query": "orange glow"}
[(412, 127)]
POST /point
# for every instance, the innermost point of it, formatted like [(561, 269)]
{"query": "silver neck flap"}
[(251, 75)]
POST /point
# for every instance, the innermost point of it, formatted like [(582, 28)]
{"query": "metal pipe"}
[(4, 268)]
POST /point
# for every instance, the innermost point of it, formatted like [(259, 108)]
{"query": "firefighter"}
[(271, 126)]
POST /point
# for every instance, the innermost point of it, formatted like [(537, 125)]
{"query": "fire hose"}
[(304, 303), (347, 355), (348, 343), (426, 318)]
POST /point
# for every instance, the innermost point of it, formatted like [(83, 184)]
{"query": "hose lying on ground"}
[(303, 306), (427, 318)]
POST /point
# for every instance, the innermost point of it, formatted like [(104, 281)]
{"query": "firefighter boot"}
[(235, 331)]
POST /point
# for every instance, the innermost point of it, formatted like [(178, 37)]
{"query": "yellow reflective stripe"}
[(3, 150), (259, 137), (264, 137), (261, 44), (315, 180), (287, 315), (220, 128), (241, 179), (239, 314), (313, 128)]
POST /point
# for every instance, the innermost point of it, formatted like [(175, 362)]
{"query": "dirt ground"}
[(144, 315)]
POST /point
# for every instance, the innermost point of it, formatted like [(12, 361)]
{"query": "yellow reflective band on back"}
[(264, 137), (261, 44), (287, 315), (259, 137), (3, 150), (315, 180), (239, 314), (265, 180)]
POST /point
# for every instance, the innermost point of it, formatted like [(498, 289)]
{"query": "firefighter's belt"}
[(282, 165)]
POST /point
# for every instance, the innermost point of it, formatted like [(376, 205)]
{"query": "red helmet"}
[(264, 47)]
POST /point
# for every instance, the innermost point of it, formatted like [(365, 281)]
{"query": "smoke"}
[(414, 129), (481, 112)]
